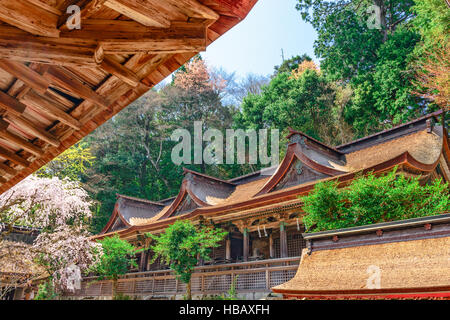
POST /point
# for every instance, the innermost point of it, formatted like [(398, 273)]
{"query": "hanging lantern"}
[(265, 232), (298, 225), (259, 232)]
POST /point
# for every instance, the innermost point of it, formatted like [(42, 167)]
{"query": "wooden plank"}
[(26, 74), (28, 126), (63, 78), (193, 8), (26, 16), (120, 71), (51, 108), (4, 153), (18, 141), (140, 11), (11, 104)]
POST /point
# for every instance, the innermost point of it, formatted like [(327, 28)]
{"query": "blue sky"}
[(254, 45)]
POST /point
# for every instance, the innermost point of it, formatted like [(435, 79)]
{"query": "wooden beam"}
[(29, 127), (81, 47), (7, 169), (11, 104), (18, 141), (26, 74), (18, 45), (140, 11), (51, 108), (66, 80), (120, 71), (26, 16), (4, 153)]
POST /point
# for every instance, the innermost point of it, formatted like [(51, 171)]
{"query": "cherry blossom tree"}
[(60, 209)]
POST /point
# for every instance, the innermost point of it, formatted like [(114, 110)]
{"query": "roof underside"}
[(58, 84), (417, 150)]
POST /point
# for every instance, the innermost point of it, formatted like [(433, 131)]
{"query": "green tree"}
[(371, 199), (374, 60), (303, 101), (291, 64), (182, 244), (118, 257), (433, 52), (72, 163)]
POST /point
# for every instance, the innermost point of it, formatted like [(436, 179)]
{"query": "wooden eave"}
[(58, 85)]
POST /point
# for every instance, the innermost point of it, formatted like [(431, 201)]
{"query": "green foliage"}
[(72, 163), (183, 243), (371, 199), (118, 257), (121, 296), (46, 291), (291, 64), (376, 62)]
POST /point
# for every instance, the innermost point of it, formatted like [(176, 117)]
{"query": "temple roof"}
[(417, 147), (408, 257), (59, 82)]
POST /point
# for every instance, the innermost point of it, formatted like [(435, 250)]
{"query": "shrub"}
[(371, 199)]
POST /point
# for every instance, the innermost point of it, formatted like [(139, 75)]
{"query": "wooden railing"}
[(257, 276)]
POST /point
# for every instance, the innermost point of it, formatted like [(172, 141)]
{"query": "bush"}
[(46, 291), (371, 199)]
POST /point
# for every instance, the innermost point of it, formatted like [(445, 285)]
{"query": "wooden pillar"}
[(245, 244), (228, 248), (271, 249), (143, 261), (283, 240)]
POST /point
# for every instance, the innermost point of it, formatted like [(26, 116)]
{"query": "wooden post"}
[(271, 249), (228, 248), (143, 261), (245, 244), (283, 240)]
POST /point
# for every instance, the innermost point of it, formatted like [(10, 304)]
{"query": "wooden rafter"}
[(5, 169), (17, 140), (50, 108), (8, 155), (25, 74), (139, 11), (29, 17), (31, 128), (11, 104), (66, 80), (122, 72)]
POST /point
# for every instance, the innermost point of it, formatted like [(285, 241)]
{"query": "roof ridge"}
[(185, 170), (118, 195), (293, 132), (427, 116)]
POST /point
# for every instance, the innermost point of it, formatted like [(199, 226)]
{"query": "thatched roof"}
[(420, 264)]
